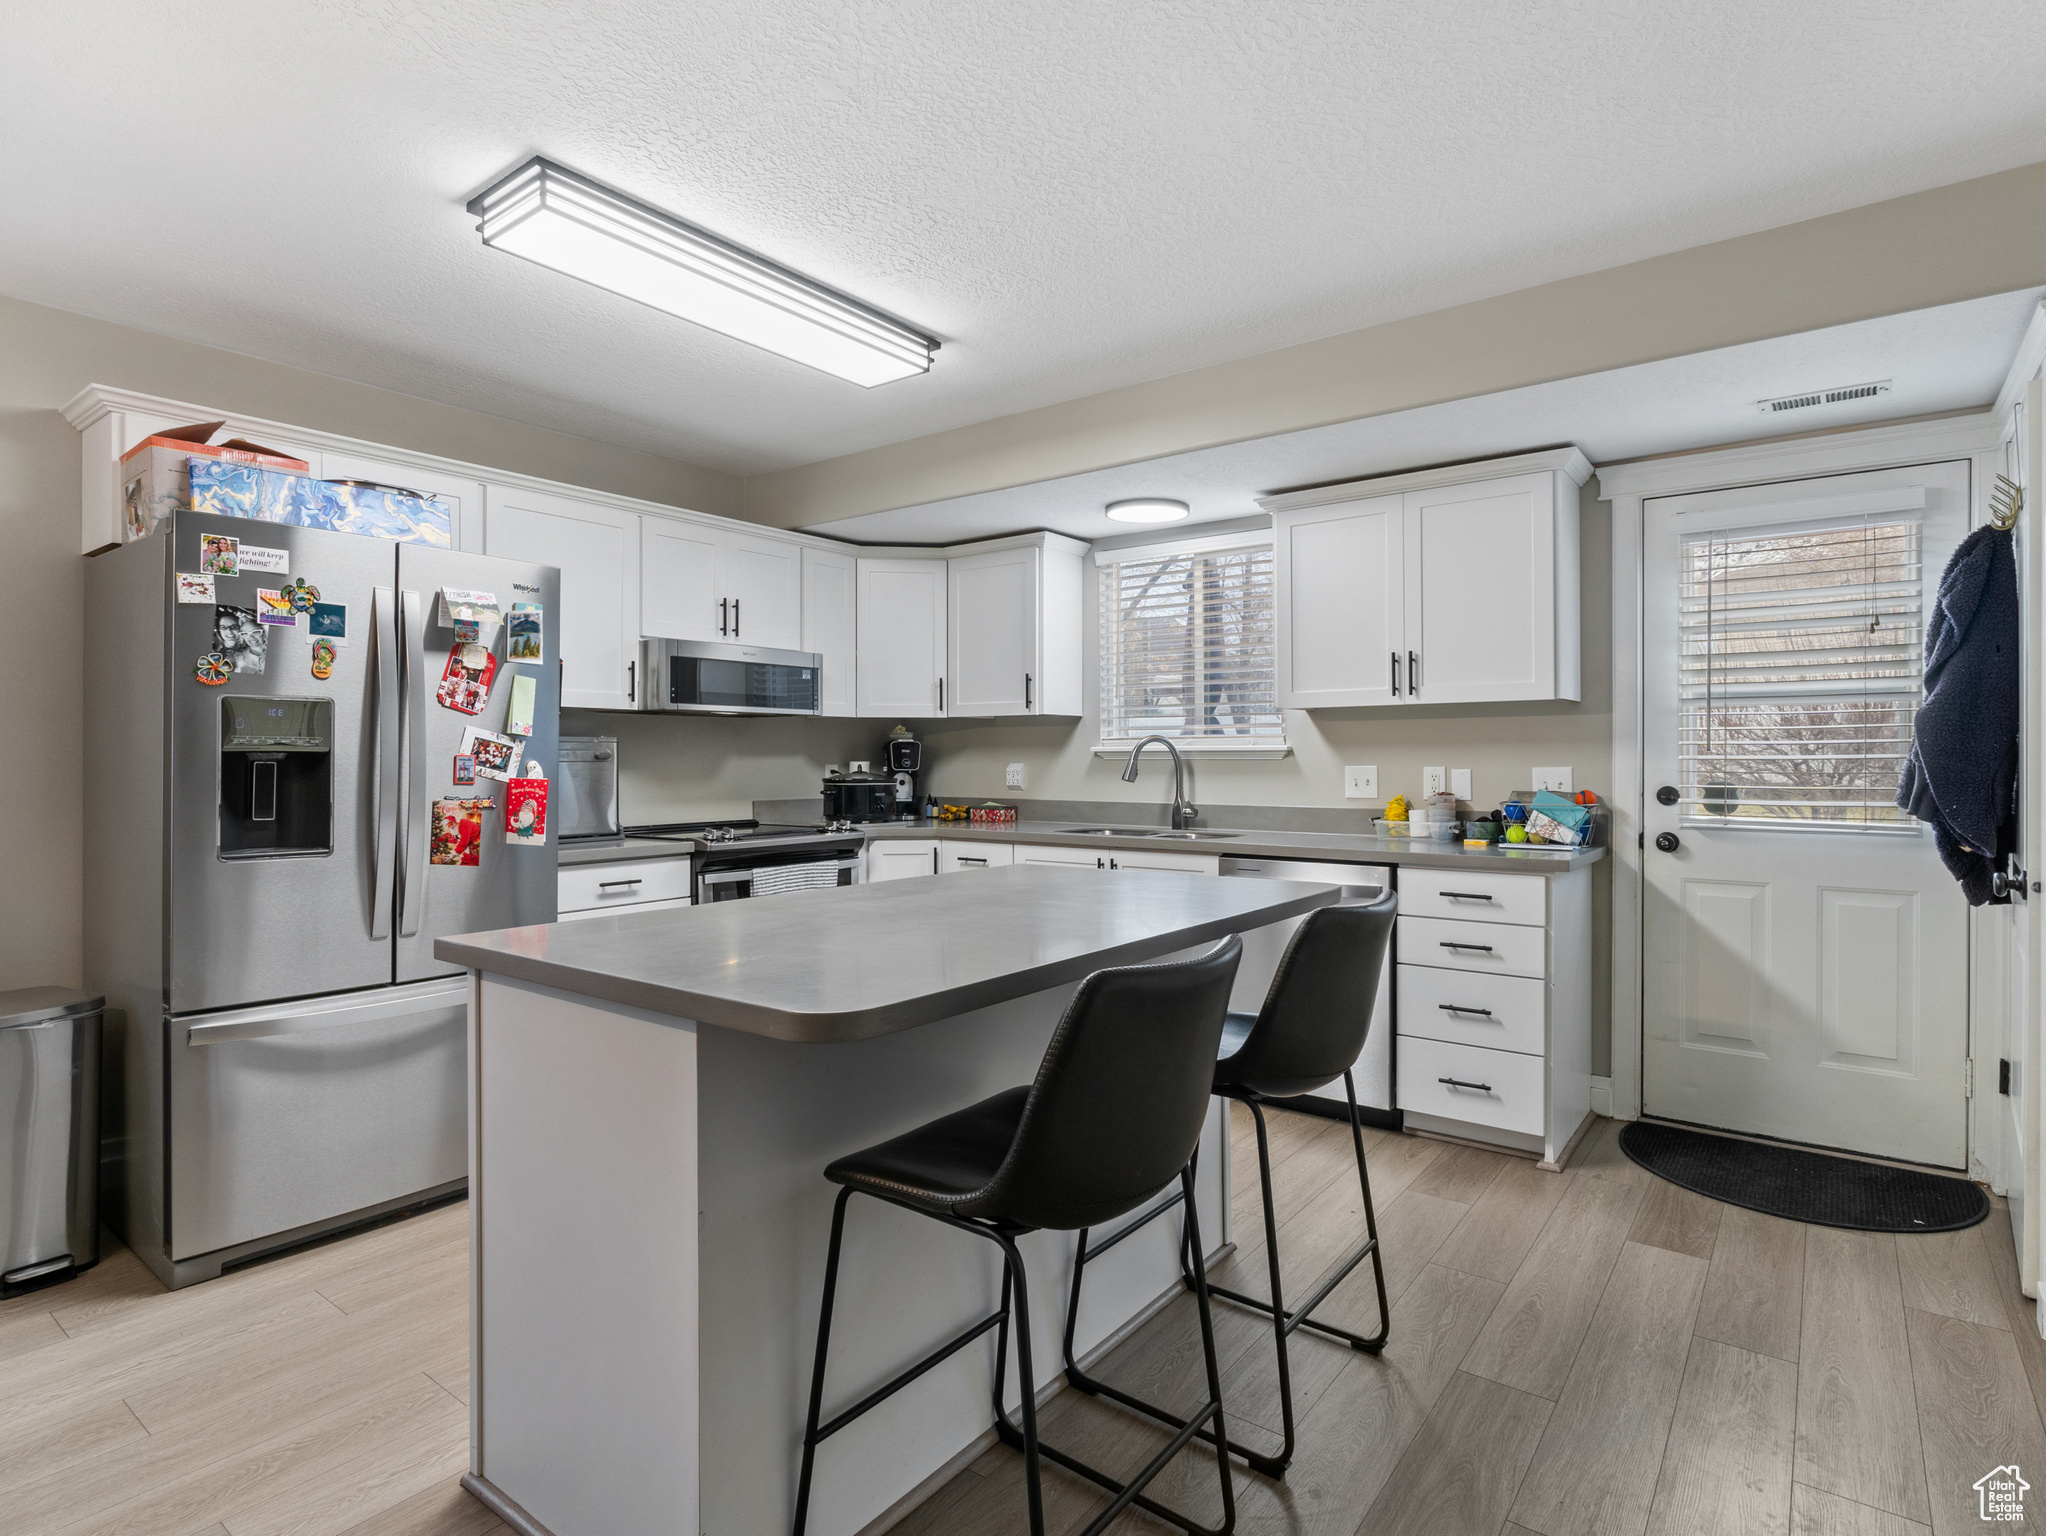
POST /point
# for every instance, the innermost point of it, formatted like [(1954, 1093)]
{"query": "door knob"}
[(1668, 842), (1667, 795)]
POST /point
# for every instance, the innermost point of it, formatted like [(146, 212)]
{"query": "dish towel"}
[(1961, 774), (779, 879)]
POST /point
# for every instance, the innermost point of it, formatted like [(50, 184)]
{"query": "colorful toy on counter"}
[(1516, 833), (1396, 808), (1554, 819)]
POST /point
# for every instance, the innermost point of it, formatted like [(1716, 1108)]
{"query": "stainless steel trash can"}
[(49, 1135)]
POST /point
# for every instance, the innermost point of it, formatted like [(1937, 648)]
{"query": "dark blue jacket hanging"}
[(1962, 771)]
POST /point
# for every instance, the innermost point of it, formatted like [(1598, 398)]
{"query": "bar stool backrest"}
[(1318, 1011), (1121, 1095)]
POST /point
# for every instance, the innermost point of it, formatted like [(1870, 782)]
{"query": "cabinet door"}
[(829, 623), (900, 665), (1481, 590), (902, 859), (1342, 637), (1077, 858), (679, 580), (1186, 863), (991, 655), (763, 577), (596, 549)]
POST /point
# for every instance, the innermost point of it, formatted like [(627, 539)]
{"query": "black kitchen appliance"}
[(906, 766), (859, 795)]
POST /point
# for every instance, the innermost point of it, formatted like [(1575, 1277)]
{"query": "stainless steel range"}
[(731, 860)]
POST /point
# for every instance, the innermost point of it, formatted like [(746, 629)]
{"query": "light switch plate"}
[(1460, 783), (1015, 775), (1360, 782), (1554, 779), (1434, 780)]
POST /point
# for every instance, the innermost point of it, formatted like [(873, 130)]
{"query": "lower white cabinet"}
[(637, 885), (956, 855), (1073, 858), (1189, 863), (901, 858)]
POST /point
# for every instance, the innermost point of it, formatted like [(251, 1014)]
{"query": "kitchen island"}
[(653, 1101)]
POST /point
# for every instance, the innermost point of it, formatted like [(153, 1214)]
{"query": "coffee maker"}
[(906, 762)]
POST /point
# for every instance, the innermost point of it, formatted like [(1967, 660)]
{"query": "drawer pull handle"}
[(1464, 895), (604, 885), (1452, 944), (1456, 1083), (1459, 1008)]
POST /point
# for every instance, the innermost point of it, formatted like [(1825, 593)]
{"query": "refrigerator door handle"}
[(383, 851), (412, 818)]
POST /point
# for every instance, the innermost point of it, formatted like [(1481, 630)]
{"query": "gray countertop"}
[(832, 966), (1340, 847), (612, 850)]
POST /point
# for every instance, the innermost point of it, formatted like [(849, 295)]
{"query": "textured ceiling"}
[(1074, 195)]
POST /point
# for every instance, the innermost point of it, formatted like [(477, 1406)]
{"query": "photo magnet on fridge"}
[(194, 589), (219, 555), (329, 621), (497, 757), (522, 634), (458, 832), (518, 714), (271, 562), (473, 615), (465, 685), (240, 638), (525, 811), (465, 769), (274, 608)]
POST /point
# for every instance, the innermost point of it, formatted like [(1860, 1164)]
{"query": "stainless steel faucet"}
[(1182, 813)]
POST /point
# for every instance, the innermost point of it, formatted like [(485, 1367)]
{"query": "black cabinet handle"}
[(941, 695), (723, 603), (1452, 944), (1026, 690), (1459, 1008), (735, 618), (1465, 895), (1455, 1083), (631, 682), (1413, 676), (604, 885), (1395, 674)]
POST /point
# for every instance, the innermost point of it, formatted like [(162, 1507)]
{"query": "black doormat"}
[(1805, 1186)]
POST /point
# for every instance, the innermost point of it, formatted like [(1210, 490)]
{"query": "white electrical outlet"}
[(1015, 775), (1460, 783), (1554, 779), (1360, 782), (1434, 780)]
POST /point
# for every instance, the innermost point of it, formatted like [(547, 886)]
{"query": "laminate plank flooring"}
[(1570, 1352)]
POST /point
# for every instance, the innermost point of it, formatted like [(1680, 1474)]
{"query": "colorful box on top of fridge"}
[(155, 475), (274, 496)]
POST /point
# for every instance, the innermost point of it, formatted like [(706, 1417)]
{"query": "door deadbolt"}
[(1667, 795), (1668, 842)]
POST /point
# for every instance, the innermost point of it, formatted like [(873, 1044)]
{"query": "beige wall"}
[(700, 768), (46, 356), (1937, 247)]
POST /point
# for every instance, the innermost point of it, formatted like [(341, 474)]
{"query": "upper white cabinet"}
[(462, 496), (900, 653), (597, 549), (830, 604), (709, 581), (1450, 586), (1013, 637)]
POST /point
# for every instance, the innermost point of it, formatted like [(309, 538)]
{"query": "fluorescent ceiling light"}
[(568, 222), (1146, 509)]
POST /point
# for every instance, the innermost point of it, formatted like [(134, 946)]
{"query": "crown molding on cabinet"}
[(1569, 461)]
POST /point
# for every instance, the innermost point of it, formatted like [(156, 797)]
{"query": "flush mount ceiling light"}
[(1146, 509), (561, 220)]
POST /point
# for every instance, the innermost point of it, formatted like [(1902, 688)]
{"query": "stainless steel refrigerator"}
[(285, 1057)]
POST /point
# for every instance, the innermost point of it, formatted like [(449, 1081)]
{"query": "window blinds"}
[(1800, 669), (1187, 647)]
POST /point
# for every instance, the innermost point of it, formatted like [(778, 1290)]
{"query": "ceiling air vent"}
[(1838, 396)]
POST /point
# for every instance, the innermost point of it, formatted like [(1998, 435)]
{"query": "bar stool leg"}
[(817, 1371), (1026, 1379), (1377, 1341)]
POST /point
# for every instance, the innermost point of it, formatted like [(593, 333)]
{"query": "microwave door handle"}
[(412, 822), (383, 779)]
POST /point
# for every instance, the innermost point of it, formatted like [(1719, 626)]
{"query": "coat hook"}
[(2006, 501)]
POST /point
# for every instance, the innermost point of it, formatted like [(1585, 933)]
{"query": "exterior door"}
[(596, 550), (992, 650), (1481, 591), (250, 924), (1341, 599), (901, 648), (507, 886), (1805, 952)]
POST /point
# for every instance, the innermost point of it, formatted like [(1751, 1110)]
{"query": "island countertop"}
[(845, 964)]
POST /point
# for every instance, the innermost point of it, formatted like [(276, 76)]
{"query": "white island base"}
[(649, 1219)]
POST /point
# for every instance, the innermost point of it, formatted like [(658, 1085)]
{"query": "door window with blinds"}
[(1187, 647), (1800, 669)]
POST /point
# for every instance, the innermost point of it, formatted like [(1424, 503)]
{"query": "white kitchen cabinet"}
[(1449, 586), (1071, 858), (956, 855), (1186, 863), (1013, 635), (830, 623), (597, 550), (627, 885), (899, 661), (901, 858), (715, 581)]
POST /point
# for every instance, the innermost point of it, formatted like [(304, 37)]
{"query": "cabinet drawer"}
[(581, 887), (1473, 897), (1502, 1013), (1506, 1090), (954, 856), (1501, 949)]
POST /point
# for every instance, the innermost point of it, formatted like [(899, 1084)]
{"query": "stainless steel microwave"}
[(707, 677)]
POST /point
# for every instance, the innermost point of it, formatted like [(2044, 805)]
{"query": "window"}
[(1187, 647), (1800, 668)]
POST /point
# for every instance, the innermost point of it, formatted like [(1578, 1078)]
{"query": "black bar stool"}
[(1311, 1028), (1116, 1112)]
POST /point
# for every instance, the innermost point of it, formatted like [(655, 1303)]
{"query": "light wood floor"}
[(1588, 1352)]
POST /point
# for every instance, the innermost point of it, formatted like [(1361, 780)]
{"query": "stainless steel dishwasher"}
[(1263, 948)]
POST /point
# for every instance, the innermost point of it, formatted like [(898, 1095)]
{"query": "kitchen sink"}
[(1138, 832)]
